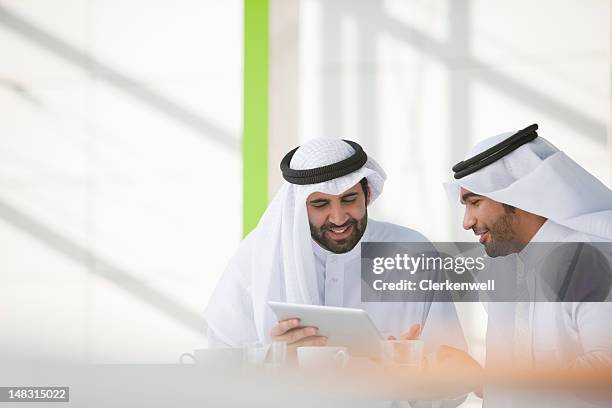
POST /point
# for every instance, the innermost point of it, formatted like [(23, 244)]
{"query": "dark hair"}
[(364, 187)]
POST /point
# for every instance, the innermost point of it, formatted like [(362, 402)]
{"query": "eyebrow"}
[(319, 201), (465, 197), (350, 195)]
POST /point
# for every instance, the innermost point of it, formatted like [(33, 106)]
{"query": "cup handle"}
[(342, 357), (188, 355)]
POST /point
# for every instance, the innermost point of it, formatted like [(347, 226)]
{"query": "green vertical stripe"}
[(255, 134)]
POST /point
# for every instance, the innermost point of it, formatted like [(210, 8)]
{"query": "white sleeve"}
[(229, 313), (594, 331)]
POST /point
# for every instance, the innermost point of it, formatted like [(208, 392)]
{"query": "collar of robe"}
[(491, 155), (324, 173)]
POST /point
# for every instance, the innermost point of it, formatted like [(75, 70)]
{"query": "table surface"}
[(176, 385)]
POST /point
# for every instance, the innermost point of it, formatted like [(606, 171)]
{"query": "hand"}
[(451, 374), (456, 362), (413, 334), (296, 336)]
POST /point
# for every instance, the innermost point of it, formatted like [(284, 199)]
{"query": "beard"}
[(502, 237), (340, 246)]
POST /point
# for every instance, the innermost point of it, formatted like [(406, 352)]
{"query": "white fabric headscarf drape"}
[(283, 238), (539, 178)]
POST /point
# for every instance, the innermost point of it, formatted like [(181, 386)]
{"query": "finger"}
[(413, 334), (311, 341), (294, 335), (283, 326)]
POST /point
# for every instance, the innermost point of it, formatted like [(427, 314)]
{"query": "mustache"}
[(330, 225)]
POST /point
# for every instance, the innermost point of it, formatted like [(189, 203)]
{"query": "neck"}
[(529, 225)]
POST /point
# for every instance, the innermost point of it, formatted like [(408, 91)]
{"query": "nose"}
[(338, 215), (468, 220)]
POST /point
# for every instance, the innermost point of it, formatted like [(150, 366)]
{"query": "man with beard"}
[(306, 249), (501, 228), (547, 221)]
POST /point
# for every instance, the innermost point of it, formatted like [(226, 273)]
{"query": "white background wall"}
[(120, 173)]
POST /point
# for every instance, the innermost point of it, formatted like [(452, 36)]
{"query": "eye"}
[(349, 199), (475, 203), (318, 204)]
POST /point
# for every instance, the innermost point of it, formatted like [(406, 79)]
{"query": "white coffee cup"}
[(322, 357)]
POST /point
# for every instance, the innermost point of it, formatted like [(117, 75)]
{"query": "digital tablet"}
[(342, 326)]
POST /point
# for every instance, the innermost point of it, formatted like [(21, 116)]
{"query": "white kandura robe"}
[(565, 332), (540, 179), (339, 283)]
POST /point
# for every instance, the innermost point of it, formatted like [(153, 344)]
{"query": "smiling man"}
[(501, 228), (542, 216), (306, 249), (337, 222)]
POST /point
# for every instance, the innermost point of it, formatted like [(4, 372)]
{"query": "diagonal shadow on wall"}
[(102, 267), (99, 70), (455, 54), (479, 71)]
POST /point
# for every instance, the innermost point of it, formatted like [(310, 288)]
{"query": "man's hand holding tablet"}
[(289, 330), (327, 326)]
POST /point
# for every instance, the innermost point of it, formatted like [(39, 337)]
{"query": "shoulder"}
[(578, 271), (554, 232), (577, 236), (388, 232)]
